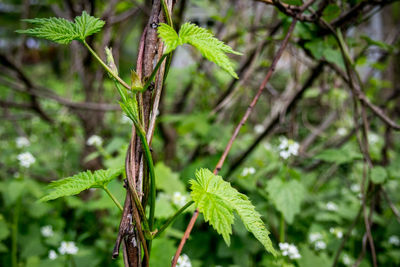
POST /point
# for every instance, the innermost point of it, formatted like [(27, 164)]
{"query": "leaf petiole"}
[(150, 79), (113, 198), (116, 77), (172, 218)]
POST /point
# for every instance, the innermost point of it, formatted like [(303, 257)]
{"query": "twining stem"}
[(282, 229), (172, 218), (167, 13), (113, 198), (140, 208), (150, 165), (116, 77), (150, 79)]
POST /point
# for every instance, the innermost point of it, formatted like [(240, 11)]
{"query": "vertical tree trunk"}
[(150, 51)]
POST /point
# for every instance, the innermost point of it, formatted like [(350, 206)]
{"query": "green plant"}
[(215, 198)]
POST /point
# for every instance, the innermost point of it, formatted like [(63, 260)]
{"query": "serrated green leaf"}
[(58, 30), (80, 182), (202, 39), (287, 197), (169, 36), (217, 200), (63, 31), (215, 210), (87, 25)]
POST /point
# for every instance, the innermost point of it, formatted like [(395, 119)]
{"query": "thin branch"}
[(39, 91), (236, 132), (257, 96), (185, 237), (284, 103), (173, 217)]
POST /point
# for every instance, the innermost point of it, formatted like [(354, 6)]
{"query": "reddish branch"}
[(236, 132)]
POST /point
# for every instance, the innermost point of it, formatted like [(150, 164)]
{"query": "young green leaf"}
[(169, 36), (217, 200), (87, 25), (130, 107), (209, 46), (287, 197), (79, 182), (63, 31), (110, 61), (58, 30)]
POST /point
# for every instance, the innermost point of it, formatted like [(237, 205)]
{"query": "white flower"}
[(246, 171), (52, 255), (284, 154), (337, 232), (289, 250), (284, 142), (394, 240), (94, 140), (267, 146), (22, 142), (314, 237), (373, 138), (346, 259), (320, 245), (68, 247), (183, 261), (293, 147), (288, 147), (331, 206), (341, 131), (47, 231), (355, 188), (259, 128), (178, 199), (26, 159)]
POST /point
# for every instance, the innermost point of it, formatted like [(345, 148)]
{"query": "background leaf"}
[(378, 174), (287, 197)]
